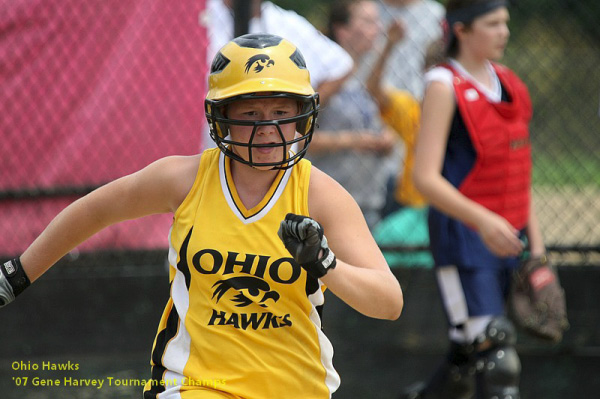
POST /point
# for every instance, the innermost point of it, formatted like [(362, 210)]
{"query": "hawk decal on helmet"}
[(261, 60)]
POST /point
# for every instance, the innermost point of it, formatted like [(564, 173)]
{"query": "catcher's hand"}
[(304, 238), (537, 300)]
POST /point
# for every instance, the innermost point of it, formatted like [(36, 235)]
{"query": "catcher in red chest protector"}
[(473, 164)]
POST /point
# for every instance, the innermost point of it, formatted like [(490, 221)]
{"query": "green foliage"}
[(566, 169)]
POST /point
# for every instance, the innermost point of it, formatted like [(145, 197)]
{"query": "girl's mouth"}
[(265, 150)]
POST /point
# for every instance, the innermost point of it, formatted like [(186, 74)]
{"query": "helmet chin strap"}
[(294, 148)]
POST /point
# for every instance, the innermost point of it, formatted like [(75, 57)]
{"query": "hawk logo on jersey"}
[(244, 276), (261, 61), (253, 286), (248, 287)]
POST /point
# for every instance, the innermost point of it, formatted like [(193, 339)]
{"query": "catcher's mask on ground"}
[(261, 66)]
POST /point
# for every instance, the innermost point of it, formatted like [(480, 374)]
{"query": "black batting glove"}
[(303, 238)]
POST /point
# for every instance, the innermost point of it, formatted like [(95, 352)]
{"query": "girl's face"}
[(488, 35), (262, 110), (364, 26)]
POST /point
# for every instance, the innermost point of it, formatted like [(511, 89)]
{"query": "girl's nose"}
[(266, 129)]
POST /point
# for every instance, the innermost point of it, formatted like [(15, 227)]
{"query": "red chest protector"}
[(501, 176)]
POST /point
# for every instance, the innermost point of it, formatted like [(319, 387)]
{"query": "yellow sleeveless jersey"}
[(243, 318)]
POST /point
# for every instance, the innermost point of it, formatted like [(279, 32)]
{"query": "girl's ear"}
[(459, 29)]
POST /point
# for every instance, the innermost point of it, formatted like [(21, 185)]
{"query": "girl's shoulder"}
[(439, 73), (178, 175), (328, 201)]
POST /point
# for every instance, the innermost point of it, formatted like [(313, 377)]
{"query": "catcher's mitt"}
[(537, 300)]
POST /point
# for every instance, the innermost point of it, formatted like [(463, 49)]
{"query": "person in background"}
[(401, 111), (473, 164), (422, 20), (404, 216), (352, 144), (248, 267)]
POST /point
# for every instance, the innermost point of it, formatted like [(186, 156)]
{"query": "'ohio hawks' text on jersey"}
[(241, 311)]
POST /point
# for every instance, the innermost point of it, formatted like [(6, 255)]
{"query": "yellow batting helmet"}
[(261, 66)]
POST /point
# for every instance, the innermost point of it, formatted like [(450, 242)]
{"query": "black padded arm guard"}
[(13, 281)]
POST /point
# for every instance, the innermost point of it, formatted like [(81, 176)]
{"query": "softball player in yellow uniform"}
[(249, 260)]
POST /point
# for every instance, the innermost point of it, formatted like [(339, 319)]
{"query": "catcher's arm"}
[(534, 235)]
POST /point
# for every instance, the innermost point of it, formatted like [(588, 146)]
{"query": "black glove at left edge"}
[(13, 281)]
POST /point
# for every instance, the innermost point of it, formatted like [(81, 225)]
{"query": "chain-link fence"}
[(93, 90), (90, 91), (555, 47)]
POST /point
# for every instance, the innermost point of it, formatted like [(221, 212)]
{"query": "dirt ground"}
[(570, 216)]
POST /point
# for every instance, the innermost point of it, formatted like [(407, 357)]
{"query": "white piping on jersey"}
[(177, 351), (332, 378), (230, 201), (172, 391)]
